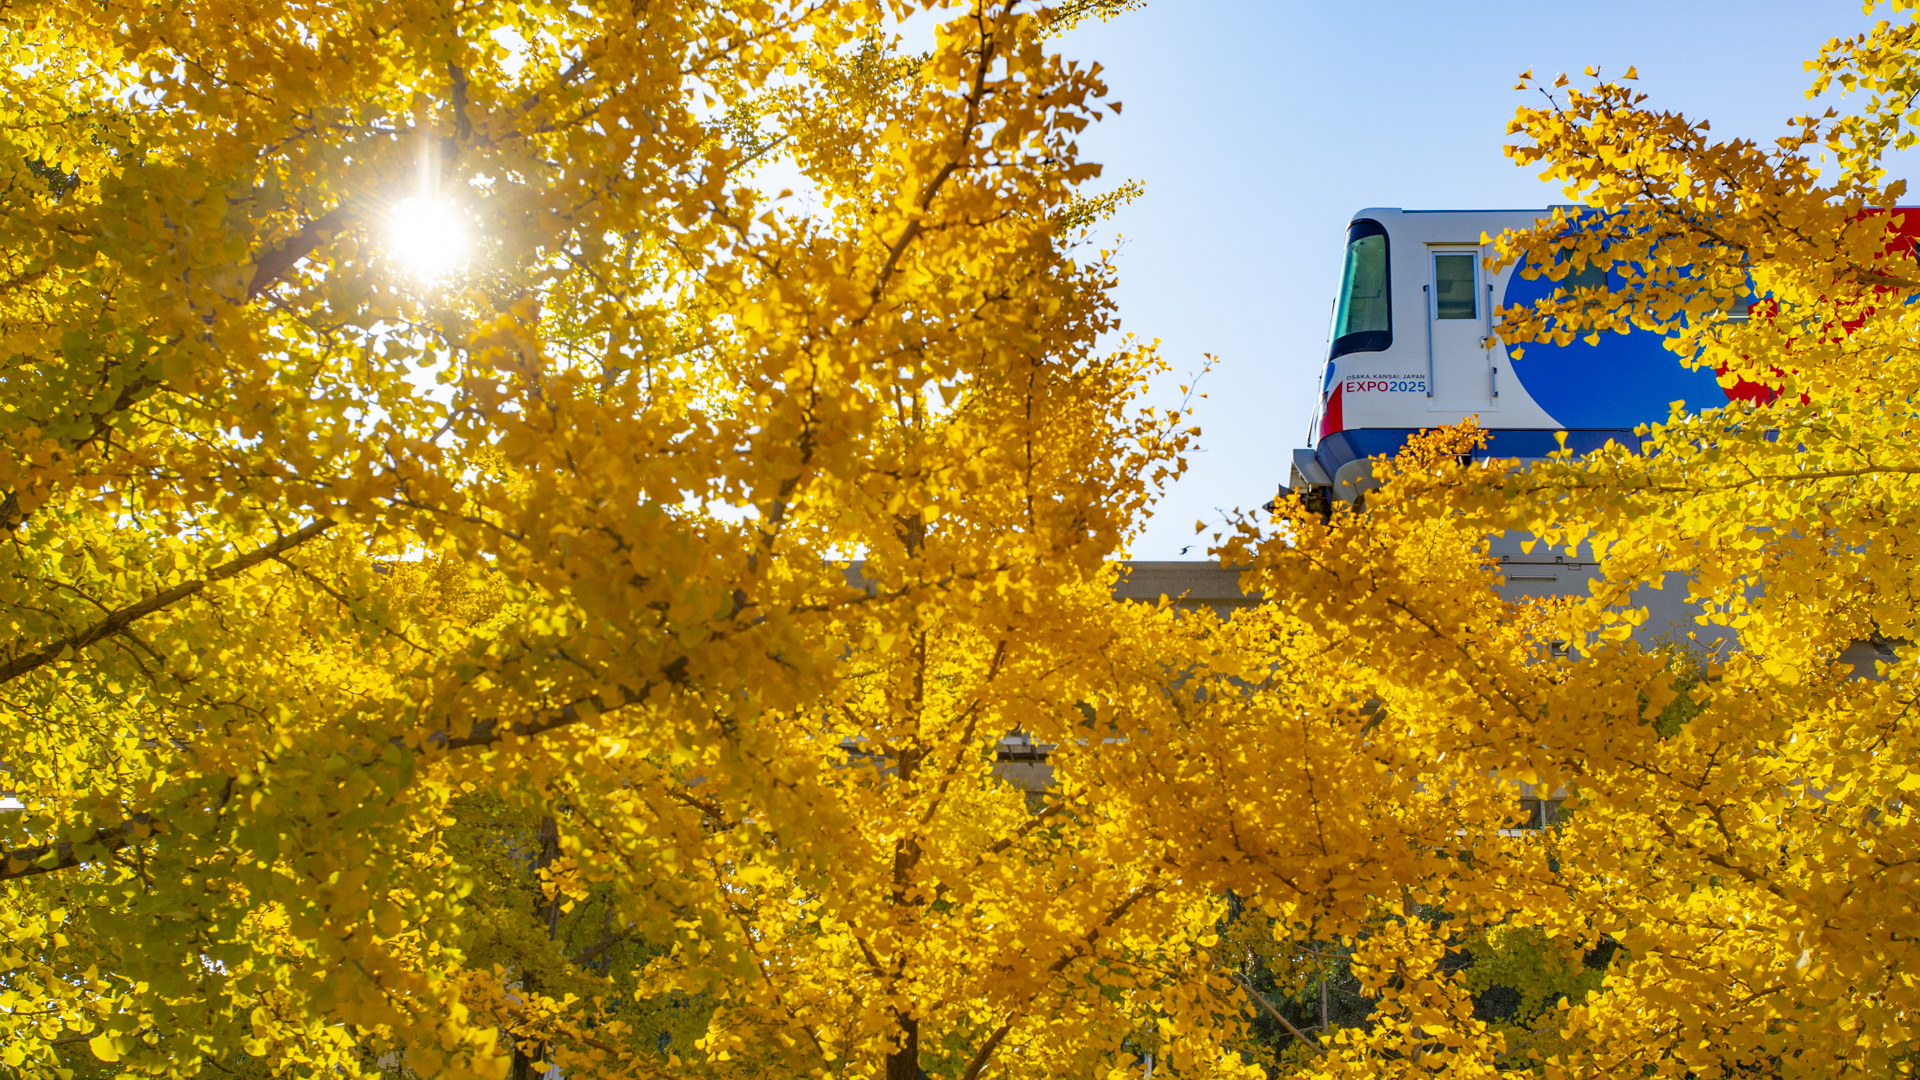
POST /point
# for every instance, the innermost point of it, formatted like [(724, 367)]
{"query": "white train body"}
[(1415, 344)]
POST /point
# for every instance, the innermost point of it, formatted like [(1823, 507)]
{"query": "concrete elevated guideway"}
[(1541, 572), (1198, 584), (1186, 584)]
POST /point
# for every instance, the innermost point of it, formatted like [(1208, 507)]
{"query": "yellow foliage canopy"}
[(455, 667)]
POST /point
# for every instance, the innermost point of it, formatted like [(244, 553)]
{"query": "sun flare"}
[(427, 235)]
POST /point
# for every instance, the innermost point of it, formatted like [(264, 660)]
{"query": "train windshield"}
[(1363, 320)]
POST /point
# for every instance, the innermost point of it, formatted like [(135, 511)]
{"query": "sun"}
[(428, 236)]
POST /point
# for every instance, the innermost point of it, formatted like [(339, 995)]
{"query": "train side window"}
[(1453, 287), (1591, 276), (1363, 317)]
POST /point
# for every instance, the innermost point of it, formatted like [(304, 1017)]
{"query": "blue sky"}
[(1258, 128)]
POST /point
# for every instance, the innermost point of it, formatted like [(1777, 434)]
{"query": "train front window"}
[(1453, 287), (1363, 319)]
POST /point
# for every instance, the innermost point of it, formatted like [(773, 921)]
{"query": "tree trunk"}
[(547, 840), (904, 1062)]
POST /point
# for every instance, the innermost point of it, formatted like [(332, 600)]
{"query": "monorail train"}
[(1415, 345)]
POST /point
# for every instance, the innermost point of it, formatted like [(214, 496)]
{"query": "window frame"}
[(1434, 255), (1364, 340)]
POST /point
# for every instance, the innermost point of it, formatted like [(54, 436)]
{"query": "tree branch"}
[(492, 730), (593, 951), (66, 854), (118, 621), (278, 260), (987, 1048), (1275, 1013), (24, 862)]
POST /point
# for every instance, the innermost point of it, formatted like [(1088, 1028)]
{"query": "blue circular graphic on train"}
[(1623, 381)]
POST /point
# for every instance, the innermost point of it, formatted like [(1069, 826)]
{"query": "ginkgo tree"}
[(434, 447), (431, 457), (1739, 846)]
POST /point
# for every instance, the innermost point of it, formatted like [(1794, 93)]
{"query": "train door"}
[(1456, 331)]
